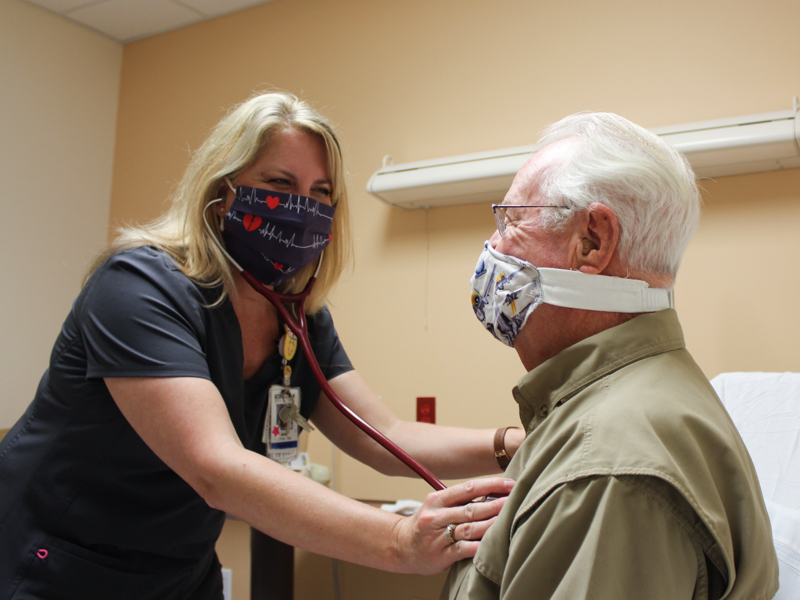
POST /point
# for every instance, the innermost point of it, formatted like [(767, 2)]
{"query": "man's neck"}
[(551, 329)]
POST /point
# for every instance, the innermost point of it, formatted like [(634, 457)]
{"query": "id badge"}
[(280, 434)]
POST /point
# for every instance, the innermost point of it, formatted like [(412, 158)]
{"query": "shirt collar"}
[(558, 379)]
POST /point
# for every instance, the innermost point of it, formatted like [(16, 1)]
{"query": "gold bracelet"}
[(500, 452)]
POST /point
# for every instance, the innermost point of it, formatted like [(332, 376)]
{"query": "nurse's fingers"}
[(471, 531), (469, 491)]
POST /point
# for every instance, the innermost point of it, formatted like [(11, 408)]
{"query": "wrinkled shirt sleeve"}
[(600, 537)]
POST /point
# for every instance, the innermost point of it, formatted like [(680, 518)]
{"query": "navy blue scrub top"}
[(87, 510)]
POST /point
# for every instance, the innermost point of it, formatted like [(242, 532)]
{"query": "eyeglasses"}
[(500, 218)]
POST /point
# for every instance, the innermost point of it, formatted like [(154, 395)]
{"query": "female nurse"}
[(174, 388)]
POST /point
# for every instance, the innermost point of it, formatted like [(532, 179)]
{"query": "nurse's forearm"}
[(449, 452), (453, 452), (302, 513), (306, 515)]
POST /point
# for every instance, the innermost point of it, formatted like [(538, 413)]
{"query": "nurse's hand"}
[(422, 538)]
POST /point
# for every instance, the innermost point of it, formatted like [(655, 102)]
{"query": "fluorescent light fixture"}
[(762, 142)]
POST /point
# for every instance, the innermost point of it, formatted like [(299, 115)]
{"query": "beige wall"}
[(58, 105), (419, 80), (415, 80)]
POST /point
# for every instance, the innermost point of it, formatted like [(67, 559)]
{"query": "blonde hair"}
[(230, 148)]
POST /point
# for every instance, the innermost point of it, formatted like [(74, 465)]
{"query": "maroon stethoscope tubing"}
[(300, 328)]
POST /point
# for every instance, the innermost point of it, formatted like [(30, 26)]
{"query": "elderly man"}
[(632, 481)]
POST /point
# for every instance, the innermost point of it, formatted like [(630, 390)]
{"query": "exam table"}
[(765, 407)]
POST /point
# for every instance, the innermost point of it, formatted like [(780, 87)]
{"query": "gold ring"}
[(448, 533)]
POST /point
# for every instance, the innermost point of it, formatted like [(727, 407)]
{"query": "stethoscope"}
[(299, 327)]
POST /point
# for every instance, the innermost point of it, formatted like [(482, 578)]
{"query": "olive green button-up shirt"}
[(632, 483)]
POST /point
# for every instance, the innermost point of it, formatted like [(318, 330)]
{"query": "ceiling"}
[(129, 20)]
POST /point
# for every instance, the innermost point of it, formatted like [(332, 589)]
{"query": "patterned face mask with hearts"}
[(273, 235)]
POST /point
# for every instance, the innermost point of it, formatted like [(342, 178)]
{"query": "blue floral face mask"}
[(273, 235), (505, 290)]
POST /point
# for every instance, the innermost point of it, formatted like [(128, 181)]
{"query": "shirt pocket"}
[(65, 571)]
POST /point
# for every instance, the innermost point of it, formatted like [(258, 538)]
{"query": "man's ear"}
[(595, 239)]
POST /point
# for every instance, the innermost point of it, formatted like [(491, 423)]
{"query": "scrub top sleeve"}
[(139, 316), (602, 537), (330, 353)]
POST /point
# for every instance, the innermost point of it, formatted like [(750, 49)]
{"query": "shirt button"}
[(543, 410)]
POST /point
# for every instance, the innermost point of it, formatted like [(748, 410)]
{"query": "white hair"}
[(646, 182)]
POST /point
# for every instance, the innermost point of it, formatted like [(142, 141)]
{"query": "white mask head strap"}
[(573, 289)]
